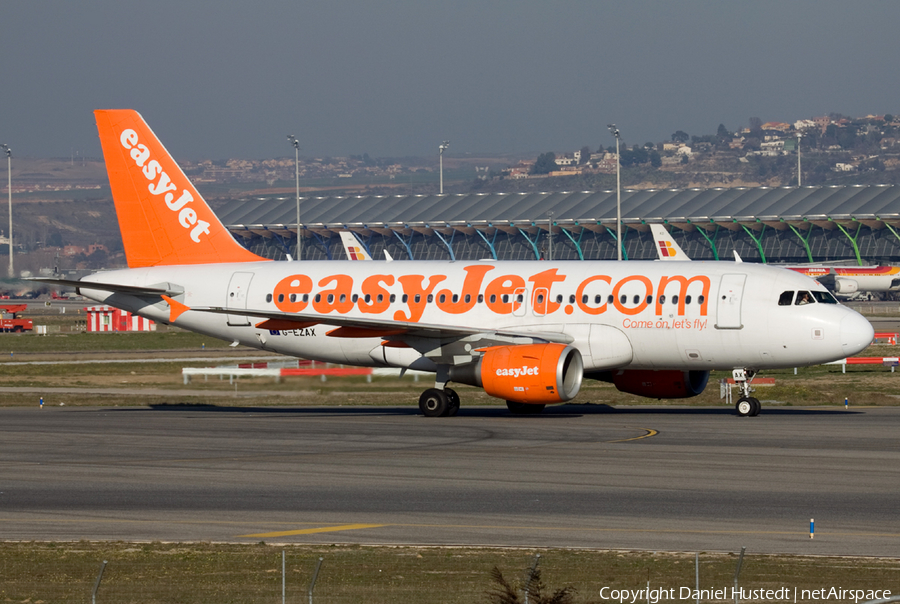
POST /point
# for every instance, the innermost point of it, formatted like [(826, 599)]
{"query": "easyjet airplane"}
[(844, 281), (526, 332)]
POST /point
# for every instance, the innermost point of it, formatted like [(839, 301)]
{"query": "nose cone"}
[(856, 334)]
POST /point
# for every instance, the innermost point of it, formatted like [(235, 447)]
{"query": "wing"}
[(365, 327)]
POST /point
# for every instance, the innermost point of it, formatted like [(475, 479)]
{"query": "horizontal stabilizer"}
[(134, 290)]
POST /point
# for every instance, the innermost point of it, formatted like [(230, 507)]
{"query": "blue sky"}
[(396, 77)]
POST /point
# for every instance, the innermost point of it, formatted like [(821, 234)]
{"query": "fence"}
[(200, 573)]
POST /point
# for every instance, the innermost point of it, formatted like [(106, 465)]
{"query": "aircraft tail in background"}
[(353, 248), (666, 248), (164, 220)]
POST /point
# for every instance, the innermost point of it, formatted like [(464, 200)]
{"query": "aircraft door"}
[(728, 302), (238, 288)]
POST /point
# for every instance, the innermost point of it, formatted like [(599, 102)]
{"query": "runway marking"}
[(321, 529), (650, 432), (345, 527)]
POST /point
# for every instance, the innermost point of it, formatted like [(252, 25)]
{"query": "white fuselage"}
[(640, 315)]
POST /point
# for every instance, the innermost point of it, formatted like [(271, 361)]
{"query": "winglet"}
[(176, 308), (163, 218), (737, 257)]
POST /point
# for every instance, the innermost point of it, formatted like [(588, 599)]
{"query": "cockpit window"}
[(786, 298), (824, 297), (803, 298)]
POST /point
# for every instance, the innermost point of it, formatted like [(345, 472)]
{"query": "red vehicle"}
[(10, 322)]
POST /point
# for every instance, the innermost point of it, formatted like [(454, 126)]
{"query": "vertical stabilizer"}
[(353, 248), (163, 218), (666, 248)]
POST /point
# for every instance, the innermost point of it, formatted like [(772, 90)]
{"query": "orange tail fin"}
[(163, 218)]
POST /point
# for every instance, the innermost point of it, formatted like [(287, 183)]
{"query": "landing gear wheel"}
[(757, 407), (744, 407), (524, 408), (453, 402), (434, 403)]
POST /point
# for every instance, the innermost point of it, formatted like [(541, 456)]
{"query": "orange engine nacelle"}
[(528, 373), (661, 384)]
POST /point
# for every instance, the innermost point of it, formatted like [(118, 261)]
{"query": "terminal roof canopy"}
[(685, 208)]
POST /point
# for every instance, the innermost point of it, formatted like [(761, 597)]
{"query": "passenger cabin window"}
[(786, 298), (803, 298), (293, 297), (268, 297), (824, 297)]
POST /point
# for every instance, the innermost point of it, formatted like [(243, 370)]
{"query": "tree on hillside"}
[(722, 133), (545, 164), (680, 136), (585, 155)]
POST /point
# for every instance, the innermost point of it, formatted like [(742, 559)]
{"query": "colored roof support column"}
[(758, 243), (891, 229), (577, 244), (804, 240), (537, 253), (324, 244), (711, 242), (490, 243), (449, 245), (852, 239), (612, 234), (406, 245)]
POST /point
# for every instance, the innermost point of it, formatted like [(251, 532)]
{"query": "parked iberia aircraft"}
[(844, 281), (526, 332)]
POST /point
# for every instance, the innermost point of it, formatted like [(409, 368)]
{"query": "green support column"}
[(891, 229), (804, 240), (711, 242), (852, 239), (612, 233), (577, 244), (758, 243)]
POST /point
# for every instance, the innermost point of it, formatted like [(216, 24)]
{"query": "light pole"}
[(799, 182), (615, 132), (443, 146), (9, 190), (296, 144)]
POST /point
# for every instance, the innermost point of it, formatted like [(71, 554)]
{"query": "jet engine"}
[(660, 384), (527, 373), (845, 286)]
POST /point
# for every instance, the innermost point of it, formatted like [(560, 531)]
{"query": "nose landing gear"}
[(746, 406)]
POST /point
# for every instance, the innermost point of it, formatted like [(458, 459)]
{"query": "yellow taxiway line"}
[(310, 531)]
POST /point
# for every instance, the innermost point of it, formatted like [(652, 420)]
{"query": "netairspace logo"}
[(730, 594)]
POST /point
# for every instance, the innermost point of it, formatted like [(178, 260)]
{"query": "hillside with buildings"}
[(64, 218)]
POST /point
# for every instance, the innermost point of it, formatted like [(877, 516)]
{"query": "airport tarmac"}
[(650, 478)]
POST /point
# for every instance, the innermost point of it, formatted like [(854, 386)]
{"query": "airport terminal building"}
[(857, 224)]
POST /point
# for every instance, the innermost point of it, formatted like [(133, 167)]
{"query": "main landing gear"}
[(436, 402), (746, 406)]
